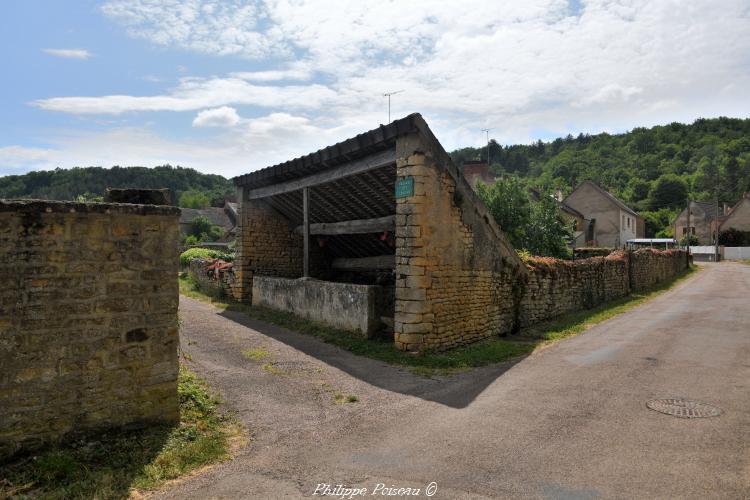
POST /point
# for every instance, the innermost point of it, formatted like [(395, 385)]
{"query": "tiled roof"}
[(214, 214)]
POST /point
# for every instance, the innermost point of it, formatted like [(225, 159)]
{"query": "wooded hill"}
[(90, 182), (652, 169)]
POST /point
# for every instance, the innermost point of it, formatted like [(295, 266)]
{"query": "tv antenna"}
[(388, 95), (487, 131)]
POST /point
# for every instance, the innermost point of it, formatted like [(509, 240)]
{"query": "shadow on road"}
[(455, 390)]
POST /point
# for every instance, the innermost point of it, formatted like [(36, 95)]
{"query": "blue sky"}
[(232, 86)]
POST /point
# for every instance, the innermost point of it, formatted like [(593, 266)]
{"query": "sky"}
[(232, 86)]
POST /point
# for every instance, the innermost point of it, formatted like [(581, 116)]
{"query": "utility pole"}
[(687, 230), (487, 131), (388, 95), (716, 221)]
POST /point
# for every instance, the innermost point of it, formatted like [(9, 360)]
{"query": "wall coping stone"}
[(32, 206)]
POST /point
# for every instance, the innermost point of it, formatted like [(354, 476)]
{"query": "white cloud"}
[(296, 73), (197, 93), (521, 68), (69, 53), (18, 156), (250, 145), (217, 117)]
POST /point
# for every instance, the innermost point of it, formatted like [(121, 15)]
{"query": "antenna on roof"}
[(388, 95), (487, 131)]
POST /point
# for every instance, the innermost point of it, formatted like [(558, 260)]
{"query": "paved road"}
[(568, 422)]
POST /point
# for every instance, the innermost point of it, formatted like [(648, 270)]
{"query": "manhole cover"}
[(684, 408)]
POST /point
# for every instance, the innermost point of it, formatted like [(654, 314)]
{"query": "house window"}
[(623, 221), (684, 230), (628, 222)]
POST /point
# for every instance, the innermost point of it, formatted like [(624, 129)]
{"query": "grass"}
[(340, 398), (117, 464), (427, 363), (273, 369), (256, 354)]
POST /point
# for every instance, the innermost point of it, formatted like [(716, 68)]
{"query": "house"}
[(477, 170), (705, 216), (225, 217), (738, 217), (607, 221)]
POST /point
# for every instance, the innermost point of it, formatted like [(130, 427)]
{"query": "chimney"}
[(726, 208), (559, 194)]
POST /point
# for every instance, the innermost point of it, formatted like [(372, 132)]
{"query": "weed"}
[(273, 369), (256, 354), (341, 398)]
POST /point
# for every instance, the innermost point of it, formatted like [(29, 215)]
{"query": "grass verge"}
[(118, 463), (482, 353)]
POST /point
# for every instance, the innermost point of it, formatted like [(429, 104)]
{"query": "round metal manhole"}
[(684, 408)]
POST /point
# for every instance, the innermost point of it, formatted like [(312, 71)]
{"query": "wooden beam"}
[(379, 160), (361, 226), (365, 263), (306, 231)]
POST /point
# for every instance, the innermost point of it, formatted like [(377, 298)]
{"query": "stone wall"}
[(216, 282), (342, 305), (88, 318), (649, 267), (267, 245), (555, 287), (454, 267)]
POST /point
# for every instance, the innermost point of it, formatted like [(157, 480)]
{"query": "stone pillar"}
[(413, 312)]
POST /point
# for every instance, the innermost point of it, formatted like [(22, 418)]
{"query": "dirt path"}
[(569, 421)]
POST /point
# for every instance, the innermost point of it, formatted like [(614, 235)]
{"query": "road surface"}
[(568, 422)]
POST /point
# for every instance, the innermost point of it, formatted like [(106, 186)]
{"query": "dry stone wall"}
[(649, 267), (220, 282), (88, 318), (555, 287)]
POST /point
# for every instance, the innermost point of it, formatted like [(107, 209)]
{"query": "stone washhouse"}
[(380, 234)]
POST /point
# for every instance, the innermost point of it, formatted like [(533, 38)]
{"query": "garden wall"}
[(555, 287), (88, 318), (219, 282), (649, 267)]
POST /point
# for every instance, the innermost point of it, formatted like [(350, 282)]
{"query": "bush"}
[(203, 253)]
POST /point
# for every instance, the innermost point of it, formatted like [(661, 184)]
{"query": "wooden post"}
[(306, 231)]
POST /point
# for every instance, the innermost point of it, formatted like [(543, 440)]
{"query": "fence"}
[(736, 253)]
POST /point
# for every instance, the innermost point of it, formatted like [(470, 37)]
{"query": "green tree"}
[(547, 234), (535, 227), (508, 202), (194, 199), (204, 230), (669, 191)]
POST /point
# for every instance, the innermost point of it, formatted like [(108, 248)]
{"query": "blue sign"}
[(405, 187)]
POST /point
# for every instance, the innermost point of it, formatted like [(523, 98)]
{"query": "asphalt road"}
[(567, 422)]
